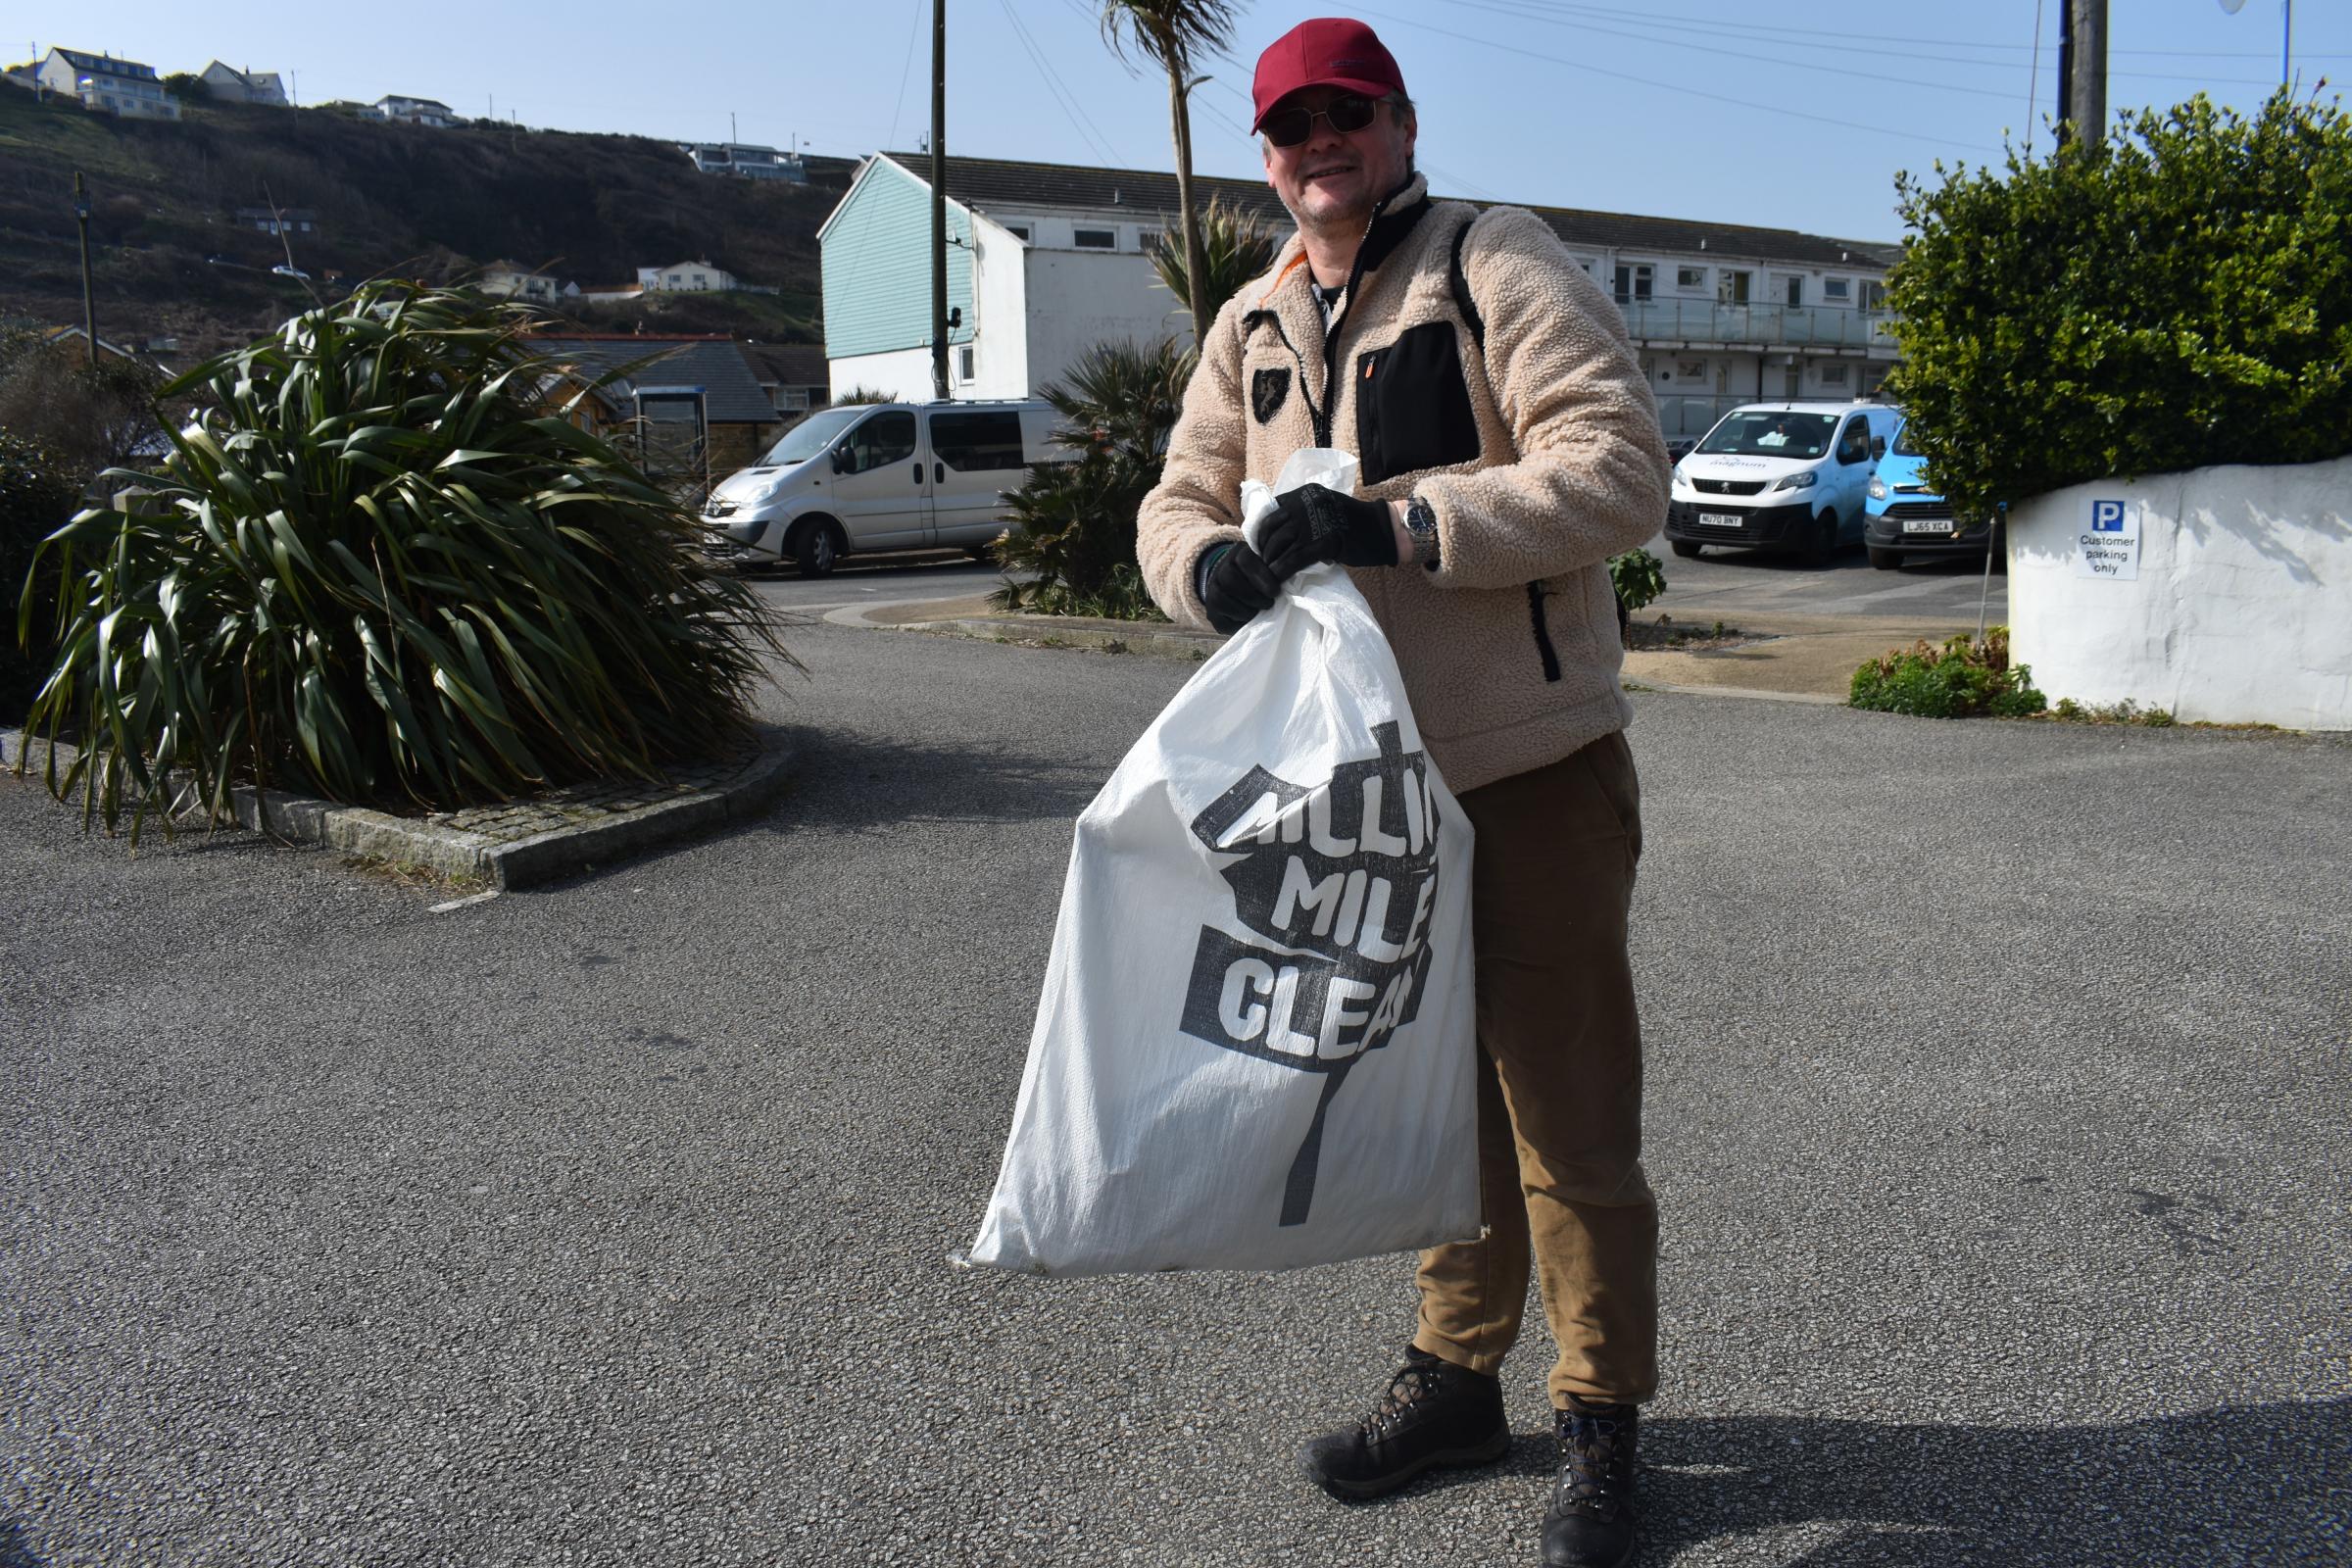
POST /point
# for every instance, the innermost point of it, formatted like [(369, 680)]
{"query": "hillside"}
[(389, 198)]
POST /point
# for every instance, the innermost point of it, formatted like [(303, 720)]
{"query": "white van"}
[(1779, 476), (882, 476)]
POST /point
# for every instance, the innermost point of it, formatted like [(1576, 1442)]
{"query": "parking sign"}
[(2110, 547)]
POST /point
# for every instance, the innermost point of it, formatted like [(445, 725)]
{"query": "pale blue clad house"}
[(1046, 260), (1043, 262)]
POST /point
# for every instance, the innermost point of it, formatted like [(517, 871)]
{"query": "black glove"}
[(1237, 586), (1311, 524)]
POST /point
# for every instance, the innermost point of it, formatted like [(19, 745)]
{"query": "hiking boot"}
[(1432, 1413), (1591, 1521)]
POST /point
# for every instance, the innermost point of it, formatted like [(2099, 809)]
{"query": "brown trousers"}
[(1559, 1112)]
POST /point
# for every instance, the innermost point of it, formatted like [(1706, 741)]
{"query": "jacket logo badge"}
[(1267, 388)]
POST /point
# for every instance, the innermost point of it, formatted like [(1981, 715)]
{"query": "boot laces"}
[(1596, 1463), (1414, 1385)]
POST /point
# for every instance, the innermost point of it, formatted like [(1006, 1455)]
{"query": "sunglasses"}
[(1346, 114)]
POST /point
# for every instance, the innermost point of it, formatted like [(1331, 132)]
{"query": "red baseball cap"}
[(1325, 52)]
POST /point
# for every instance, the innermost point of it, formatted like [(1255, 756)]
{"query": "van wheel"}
[(982, 555), (1824, 542), (1886, 560), (816, 548), (1687, 549)]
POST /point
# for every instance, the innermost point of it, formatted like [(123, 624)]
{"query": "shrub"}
[(1074, 521), (88, 417), (1638, 579), (2177, 296), (1962, 678), (380, 563), (35, 500)]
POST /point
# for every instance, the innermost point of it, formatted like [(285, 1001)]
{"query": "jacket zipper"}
[(1535, 612), (1331, 333)]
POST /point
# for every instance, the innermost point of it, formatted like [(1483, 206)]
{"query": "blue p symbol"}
[(2106, 517)]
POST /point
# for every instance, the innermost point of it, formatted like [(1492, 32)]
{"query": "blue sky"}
[(1783, 116)]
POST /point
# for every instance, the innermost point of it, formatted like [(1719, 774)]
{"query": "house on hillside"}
[(417, 110), (1046, 260), (688, 278), (740, 416), (232, 85), (746, 161), (512, 280), (278, 220), (107, 85)]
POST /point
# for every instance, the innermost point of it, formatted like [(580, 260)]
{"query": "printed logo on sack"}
[(1339, 883)]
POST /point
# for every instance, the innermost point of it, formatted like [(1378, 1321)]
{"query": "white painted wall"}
[(999, 308), (1078, 299), (2241, 612), (904, 374)]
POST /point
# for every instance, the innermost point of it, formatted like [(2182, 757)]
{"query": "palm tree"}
[(1234, 247), (1171, 33)]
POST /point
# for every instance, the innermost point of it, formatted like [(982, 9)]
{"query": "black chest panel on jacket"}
[(1412, 405)]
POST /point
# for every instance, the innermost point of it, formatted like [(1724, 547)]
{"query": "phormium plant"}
[(383, 562)]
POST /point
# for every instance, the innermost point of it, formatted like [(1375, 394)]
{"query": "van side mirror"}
[(842, 458), (1878, 447)]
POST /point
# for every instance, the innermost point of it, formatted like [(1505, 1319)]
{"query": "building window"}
[(1095, 239), (1838, 290), (1795, 287), (1874, 294), (1633, 283), (1019, 232), (1730, 287), (1691, 370), (963, 363), (1690, 277), (1146, 238), (1834, 374)]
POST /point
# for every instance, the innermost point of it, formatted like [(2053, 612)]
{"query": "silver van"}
[(882, 476)]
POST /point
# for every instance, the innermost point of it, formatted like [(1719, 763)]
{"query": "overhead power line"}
[(1080, 120), (1684, 89)]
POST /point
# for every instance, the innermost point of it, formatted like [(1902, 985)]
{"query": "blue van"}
[(1902, 516)]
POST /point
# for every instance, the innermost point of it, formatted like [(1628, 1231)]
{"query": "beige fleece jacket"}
[(1510, 646)]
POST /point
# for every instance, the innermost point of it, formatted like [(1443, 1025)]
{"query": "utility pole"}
[(2083, 69), (939, 199), (89, 299)]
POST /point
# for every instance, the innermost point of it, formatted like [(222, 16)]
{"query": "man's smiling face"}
[(1332, 181)]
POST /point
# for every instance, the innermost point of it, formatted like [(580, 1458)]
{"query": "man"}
[(1510, 446)]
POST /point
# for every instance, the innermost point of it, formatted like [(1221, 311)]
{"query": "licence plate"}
[(1927, 526), (1721, 520)]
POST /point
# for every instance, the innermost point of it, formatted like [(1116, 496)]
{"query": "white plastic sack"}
[(1255, 1049)]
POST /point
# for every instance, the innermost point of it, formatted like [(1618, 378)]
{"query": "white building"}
[(106, 84), (232, 85), (510, 281), (688, 278), (417, 110), (1047, 260), (746, 161)]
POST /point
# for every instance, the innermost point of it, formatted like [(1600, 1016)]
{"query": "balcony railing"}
[(1705, 322)]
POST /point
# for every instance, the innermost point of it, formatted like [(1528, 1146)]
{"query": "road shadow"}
[(14, 1553), (2244, 1484), (858, 784)]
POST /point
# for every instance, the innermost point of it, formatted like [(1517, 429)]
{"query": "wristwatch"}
[(1421, 525)]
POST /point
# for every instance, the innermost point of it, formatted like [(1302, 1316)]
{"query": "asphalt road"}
[(1999, 1109), (1723, 583), (1720, 584)]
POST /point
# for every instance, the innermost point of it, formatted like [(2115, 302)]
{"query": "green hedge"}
[(35, 500), (2178, 296)]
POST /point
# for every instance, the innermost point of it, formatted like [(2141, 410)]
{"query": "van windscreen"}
[(1764, 433), (810, 437), (1904, 446)]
